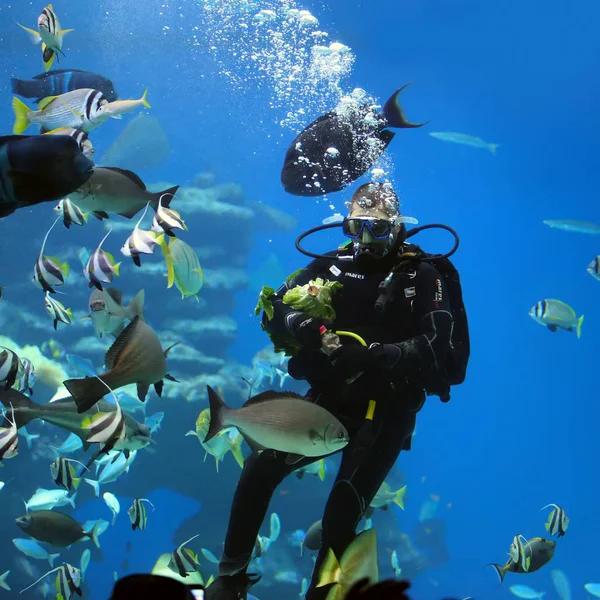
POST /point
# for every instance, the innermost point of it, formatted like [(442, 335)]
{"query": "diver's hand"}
[(307, 331), (350, 359)]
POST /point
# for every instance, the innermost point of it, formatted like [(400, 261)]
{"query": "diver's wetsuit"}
[(414, 332)]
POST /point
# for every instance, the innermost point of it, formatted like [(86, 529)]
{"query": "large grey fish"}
[(108, 313), (113, 190), (537, 551), (55, 528), (63, 413), (135, 357), (281, 421)]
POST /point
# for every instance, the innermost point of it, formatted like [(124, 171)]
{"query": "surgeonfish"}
[(141, 242), (70, 213), (340, 146), (281, 421), (100, 266), (183, 560), (464, 139), (80, 109), (138, 514), (359, 561), (81, 137), (49, 33), (183, 268), (108, 313), (538, 552), (557, 521), (135, 357), (56, 311), (38, 168), (555, 314), (112, 190), (54, 527)]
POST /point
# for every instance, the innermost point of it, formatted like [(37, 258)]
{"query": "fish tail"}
[(65, 31), (493, 148), (163, 197), (47, 57), (579, 324), (21, 116), (72, 500), (76, 482), (144, 99), (86, 392), (394, 114), (168, 261), (94, 534), (399, 497), (95, 485), (136, 306), (236, 450), (24, 408), (500, 571), (216, 414), (34, 35), (52, 558), (330, 571), (3, 583), (24, 87)]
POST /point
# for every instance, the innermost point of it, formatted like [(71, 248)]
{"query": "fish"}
[(557, 521), (593, 589), (166, 219), (63, 473), (313, 537), (525, 592), (3, 583), (561, 584), (282, 421), (396, 565), (154, 421), (9, 368), (61, 81), (106, 428), (464, 139), (81, 137), (161, 568), (118, 107), (108, 313), (70, 213), (79, 109), (64, 414), (113, 504), (318, 468), (49, 33), (68, 581), (135, 357), (555, 314), (49, 272), (114, 190), (9, 439), (55, 528), (44, 499), (539, 552), (183, 560), (57, 312), (32, 549), (573, 226), (222, 443), (340, 146), (36, 169), (100, 266), (138, 515), (86, 556), (183, 268), (594, 268), (25, 376), (384, 497), (113, 470), (29, 437), (141, 242), (72, 444), (359, 561)]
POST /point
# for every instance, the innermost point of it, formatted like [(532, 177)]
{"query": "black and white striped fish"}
[(183, 560), (79, 109), (594, 268), (25, 376), (138, 515), (81, 137), (68, 580), (518, 554), (9, 368), (57, 312), (100, 266), (141, 242), (166, 219), (70, 213), (63, 473), (9, 438), (49, 272), (557, 521), (106, 428)]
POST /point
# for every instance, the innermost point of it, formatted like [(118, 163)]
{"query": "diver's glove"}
[(307, 331), (349, 360)]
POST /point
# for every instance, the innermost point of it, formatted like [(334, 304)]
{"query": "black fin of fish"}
[(112, 356), (142, 390), (292, 459), (129, 174), (158, 388), (165, 195), (394, 114), (100, 214), (115, 294), (216, 414), (272, 395), (86, 392), (25, 410)]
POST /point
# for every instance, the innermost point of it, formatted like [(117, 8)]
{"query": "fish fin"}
[(137, 261), (500, 570), (158, 388), (142, 390), (21, 111), (217, 406), (64, 31), (130, 175), (399, 497), (129, 214), (236, 450), (100, 214), (165, 197), (394, 114), (144, 99), (171, 378), (116, 117), (76, 112), (116, 268), (136, 306), (299, 474), (65, 269), (552, 327), (34, 35), (292, 459), (45, 101), (322, 469), (330, 571), (86, 391), (579, 324), (112, 356), (95, 485), (272, 395), (52, 558), (76, 482), (492, 148), (94, 534)]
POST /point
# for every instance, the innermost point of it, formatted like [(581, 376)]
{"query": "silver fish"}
[(108, 313), (465, 139), (555, 314)]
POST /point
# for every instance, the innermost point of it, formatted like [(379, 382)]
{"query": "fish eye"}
[(341, 435)]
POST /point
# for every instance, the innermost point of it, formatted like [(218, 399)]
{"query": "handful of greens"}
[(313, 299)]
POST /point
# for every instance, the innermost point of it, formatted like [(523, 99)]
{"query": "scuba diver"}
[(406, 305)]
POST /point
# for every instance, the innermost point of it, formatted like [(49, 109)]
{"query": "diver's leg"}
[(355, 487)]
